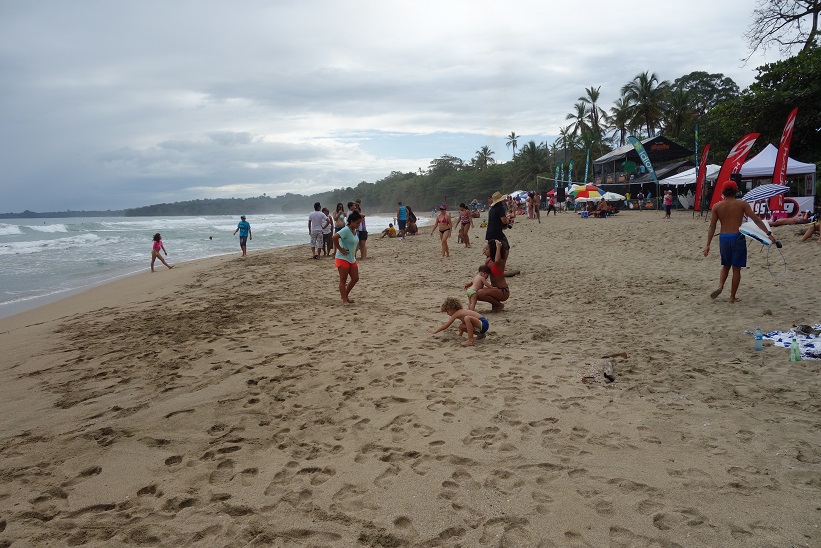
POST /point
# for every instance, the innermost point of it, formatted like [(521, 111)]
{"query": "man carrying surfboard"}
[(732, 244)]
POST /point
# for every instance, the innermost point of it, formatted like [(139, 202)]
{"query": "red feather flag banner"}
[(735, 159), (702, 172), (780, 171)]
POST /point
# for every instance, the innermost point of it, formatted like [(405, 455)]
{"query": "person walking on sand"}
[(551, 205), (465, 224), (730, 213), (668, 203), (345, 242), (155, 252), (244, 228), (444, 225), (473, 323), (316, 219)]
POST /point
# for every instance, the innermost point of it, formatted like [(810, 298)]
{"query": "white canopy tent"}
[(763, 164), (689, 177)]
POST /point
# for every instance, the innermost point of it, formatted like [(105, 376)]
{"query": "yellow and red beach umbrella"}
[(586, 193)]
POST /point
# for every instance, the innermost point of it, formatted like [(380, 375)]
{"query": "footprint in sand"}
[(149, 491), (223, 473), (175, 504)]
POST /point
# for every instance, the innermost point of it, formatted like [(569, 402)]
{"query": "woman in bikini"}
[(465, 223), (444, 225), (339, 218), (496, 259)]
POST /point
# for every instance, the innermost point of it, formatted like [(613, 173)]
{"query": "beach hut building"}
[(622, 167)]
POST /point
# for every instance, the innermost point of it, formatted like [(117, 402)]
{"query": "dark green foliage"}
[(707, 91), (765, 105)]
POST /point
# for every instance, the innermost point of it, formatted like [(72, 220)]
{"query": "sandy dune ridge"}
[(234, 402)]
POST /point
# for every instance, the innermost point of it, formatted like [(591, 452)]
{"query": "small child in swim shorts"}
[(473, 323), (478, 282)]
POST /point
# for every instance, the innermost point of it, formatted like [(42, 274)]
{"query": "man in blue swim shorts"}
[(732, 244)]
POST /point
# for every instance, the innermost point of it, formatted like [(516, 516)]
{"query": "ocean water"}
[(43, 259)]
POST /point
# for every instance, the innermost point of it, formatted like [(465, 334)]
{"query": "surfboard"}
[(751, 230)]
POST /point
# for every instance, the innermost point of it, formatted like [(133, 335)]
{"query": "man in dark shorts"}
[(244, 228), (497, 220), (732, 243), (402, 219)]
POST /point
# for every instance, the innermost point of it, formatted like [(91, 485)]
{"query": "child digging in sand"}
[(473, 287), (473, 323)]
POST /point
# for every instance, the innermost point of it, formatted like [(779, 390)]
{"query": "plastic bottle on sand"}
[(795, 351), (759, 340)]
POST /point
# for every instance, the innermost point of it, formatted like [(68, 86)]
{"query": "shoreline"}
[(239, 399), (22, 304)]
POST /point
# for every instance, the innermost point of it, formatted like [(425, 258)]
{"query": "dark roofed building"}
[(611, 168)]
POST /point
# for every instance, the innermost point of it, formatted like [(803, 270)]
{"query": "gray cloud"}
[(111, 104)]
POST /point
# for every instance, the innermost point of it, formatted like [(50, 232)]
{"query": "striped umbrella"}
[(765, 192)]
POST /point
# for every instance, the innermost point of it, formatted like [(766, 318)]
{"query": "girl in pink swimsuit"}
[(155, 252), (465, 222)]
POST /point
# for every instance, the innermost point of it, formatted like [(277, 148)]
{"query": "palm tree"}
[(579, 118), (512, 141), (679, 112), (621, 113), (595, 115), (531, 161), (484, 157), (647, 94), (567, 139)]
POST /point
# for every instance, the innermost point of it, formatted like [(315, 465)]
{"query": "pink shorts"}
[(342, 262)]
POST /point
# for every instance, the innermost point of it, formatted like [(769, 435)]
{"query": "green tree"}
[(532, 161), (678, 112), (512, 141), (445, 164), (707, 90), (484, 157), (647, 93), (595, 114), (579, 119), (621, 114), (764, 106)]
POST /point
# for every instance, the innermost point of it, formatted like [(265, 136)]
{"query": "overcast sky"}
[(108, 104)]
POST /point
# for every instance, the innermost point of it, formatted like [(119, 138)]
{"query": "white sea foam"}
[(39, 246), (49, 228), (9, 230)]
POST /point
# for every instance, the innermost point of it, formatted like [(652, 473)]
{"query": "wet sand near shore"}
[(232, 402)]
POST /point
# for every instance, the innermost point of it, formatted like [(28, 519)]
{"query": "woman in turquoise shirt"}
[(345, 242)]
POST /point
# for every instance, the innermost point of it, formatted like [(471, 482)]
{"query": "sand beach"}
[(237, 402)]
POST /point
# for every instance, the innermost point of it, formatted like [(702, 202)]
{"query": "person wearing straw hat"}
[(497, 220)]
